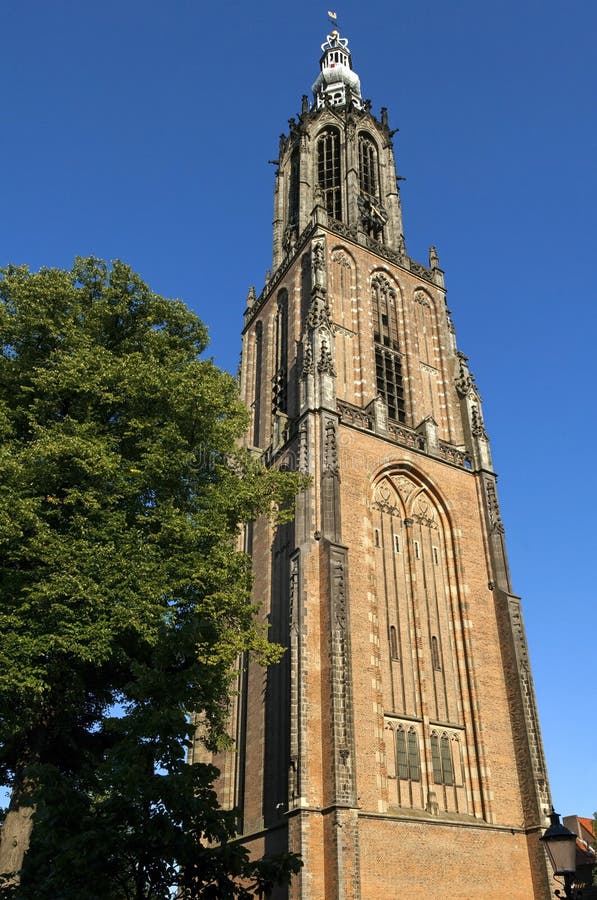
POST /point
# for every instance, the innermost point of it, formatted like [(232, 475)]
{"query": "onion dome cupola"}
[(337, 84)]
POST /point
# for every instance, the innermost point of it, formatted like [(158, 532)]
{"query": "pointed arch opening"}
[(414, 580), (258, 337), (368, 166), (280, 379), (329, 171), (407, 754), (441, 758), (342, 296), (415, 595), (388, 358)]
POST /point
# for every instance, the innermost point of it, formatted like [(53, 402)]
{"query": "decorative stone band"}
[(400, 434)]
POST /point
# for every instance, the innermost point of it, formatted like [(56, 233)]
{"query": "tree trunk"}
[(14, 839)]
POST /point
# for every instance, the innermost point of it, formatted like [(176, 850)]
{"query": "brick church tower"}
[(396, 746)]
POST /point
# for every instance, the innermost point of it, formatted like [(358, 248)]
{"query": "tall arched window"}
[(329, 171), (280, 379), (258, 368), (372, 219), (368, 166), (447, 764), (388, 361), (385, 313), (407, 755), (441, 757), (414, 764), (293, 189), (425, 328)]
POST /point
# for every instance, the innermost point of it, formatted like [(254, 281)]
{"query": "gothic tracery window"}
[(425, 328), (441, 757), (258, 368), (407, 753), (368, 166), (293, 189), (329, 171), (280, 379), (418, 675), (388, 359)]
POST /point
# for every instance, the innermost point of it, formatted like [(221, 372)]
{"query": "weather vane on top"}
[(333, 17)]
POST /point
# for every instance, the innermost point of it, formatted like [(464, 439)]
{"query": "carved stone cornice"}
[(357, 417), (346, 231), (399, 258)]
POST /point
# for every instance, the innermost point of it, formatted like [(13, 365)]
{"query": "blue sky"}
[(142, 130)]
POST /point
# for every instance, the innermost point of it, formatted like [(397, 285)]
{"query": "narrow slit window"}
[(436, 556), (377, 537), (393, 642), (417, 550), (435, 654), (396, 543)]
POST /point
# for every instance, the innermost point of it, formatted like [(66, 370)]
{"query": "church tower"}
[(396, 747)]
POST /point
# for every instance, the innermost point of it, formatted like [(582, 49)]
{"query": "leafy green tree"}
[(124, 598), (140, 835)]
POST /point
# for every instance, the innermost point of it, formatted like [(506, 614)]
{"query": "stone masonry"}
[(396, 746)]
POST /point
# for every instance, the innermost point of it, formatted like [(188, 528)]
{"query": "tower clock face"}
[(372, 212)]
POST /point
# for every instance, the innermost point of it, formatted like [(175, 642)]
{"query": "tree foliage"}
[(125, 600), (139, 835)]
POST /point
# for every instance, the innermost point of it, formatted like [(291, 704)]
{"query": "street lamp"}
[(561, 847)]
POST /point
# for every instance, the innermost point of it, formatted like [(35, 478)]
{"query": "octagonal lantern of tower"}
[(337, 84)]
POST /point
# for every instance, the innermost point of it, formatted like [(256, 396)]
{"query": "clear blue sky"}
[(142, 130)]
